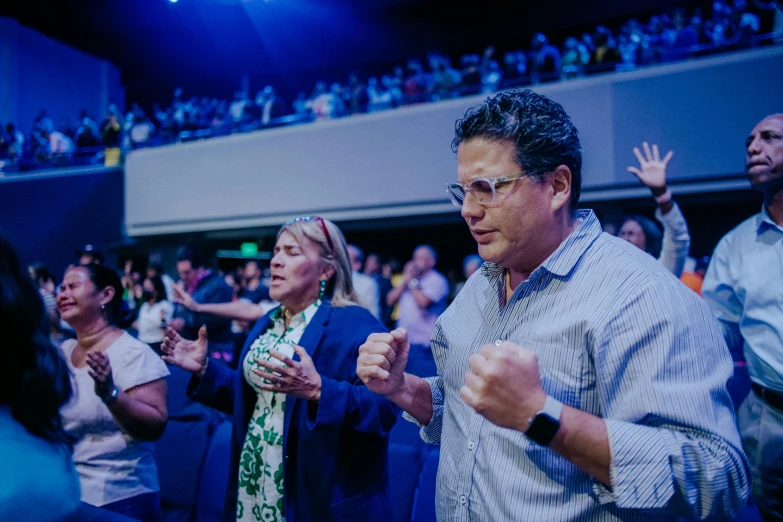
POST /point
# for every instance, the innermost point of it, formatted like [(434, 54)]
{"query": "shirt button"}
[(471, 445), (463, 499)]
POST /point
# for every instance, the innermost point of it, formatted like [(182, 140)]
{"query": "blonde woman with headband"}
[(310, 441)]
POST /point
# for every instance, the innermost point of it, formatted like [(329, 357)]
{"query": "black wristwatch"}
[(115, 392), (544, 426)]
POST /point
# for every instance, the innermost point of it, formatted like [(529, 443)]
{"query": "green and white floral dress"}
[(261, 462)]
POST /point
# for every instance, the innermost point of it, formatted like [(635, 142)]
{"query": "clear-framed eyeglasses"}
[(483, 190)]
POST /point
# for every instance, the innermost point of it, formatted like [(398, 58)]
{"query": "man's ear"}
[(560, 180)]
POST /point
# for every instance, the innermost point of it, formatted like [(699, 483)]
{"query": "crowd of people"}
[(664, 38), (572, 376)]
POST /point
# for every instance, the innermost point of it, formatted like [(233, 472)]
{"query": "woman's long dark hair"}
[(35, 382), (160, 288)]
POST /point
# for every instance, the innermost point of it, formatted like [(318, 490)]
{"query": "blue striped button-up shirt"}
[(616, 336)]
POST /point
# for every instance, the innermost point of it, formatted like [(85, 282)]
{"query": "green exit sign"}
[(249, 249)]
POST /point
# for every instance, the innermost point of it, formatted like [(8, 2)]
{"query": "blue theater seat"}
[(211, 498), (404, 469), (181, 451), (424, 503), (180, 455)]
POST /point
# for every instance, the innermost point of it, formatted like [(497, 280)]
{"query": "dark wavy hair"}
[(542, 133), (160, 288), (103, 277), (36, 381), (653, 238)]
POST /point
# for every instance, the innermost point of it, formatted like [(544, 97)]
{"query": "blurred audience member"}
[(90, 255), (14, 140), (575, 57), (252, 288), (205, 287), (514, 67), (86, 134), (545, 59), (44, 281), (300, 105), (155, 313), (365, 286), (445, 79), (356, 95), (111, 139), (380, 99), (327, 105), (155, 269), (270, 106), (471, 75), (373, 268), (422, 296), (605, 56), (60, 147), (130, 280), (236, 110), (38, 482), (469, 267)]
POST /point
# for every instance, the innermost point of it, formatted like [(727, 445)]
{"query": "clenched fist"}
[(504, 386), (382, 361)]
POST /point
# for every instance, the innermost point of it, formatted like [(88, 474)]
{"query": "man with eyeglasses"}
[(577, 378)]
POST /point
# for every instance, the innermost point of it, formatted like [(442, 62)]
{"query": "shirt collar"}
[(764, 221), (565, 256), (304, 316)]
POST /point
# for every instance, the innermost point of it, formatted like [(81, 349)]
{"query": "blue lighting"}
[(173, 1)]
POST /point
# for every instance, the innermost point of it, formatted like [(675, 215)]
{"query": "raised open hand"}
[(652, 169), (191, 356)]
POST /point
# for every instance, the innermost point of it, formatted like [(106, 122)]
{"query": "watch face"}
[(543, 429)]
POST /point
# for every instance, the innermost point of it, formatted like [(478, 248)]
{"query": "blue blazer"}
[(335, 450)]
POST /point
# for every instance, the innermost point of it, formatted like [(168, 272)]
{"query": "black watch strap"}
[(545, 425)]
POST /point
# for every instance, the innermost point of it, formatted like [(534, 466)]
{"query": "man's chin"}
[(488, 254), (766, 181)]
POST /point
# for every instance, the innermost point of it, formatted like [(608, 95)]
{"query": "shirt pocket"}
[(563, 369)]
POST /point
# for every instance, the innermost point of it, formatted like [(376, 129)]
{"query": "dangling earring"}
[(322, 290)]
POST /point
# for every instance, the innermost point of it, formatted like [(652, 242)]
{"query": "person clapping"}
[(119, 405)]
